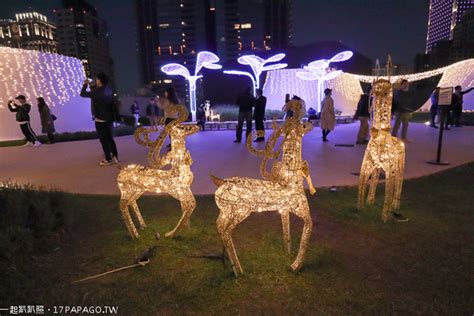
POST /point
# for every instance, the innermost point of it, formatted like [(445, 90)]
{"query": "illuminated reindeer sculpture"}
[(282, 190), (134, 180), (384, 152)]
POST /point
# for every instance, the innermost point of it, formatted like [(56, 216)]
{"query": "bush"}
[(467, 118), (32, 221)]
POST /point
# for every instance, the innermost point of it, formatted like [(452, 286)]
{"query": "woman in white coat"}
[(328, 116)]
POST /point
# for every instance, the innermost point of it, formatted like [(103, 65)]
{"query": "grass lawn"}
[(355, 264)]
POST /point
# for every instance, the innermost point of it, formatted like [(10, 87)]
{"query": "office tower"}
[(83, 34), (444, 15), (29, 30)]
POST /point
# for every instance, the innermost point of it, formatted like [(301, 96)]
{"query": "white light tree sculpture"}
[(320, 72), (203, 60), (258, 66)]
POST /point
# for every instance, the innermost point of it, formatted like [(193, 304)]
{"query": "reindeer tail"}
[(217, 181)]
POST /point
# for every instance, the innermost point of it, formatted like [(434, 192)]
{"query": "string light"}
[(383, 153), (257, 64), (134, 180), (281, 189), (54, 77), (320, 72), (203, 60)]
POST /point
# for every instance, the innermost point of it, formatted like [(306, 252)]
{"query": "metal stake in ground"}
[(444, 100)]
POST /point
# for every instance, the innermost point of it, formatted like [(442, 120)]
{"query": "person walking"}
[(434, 107), (246, 102), (457, 102), (103, 111), (363, 115), (259, 115), (22, 111), (401, 110), (135, 110), (328, 116), (47, 120)]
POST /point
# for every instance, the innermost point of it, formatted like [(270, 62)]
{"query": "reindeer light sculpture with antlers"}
[(281, 189), (257, 64), (134, 180), (320, 71), (384, 152), (203, 60)]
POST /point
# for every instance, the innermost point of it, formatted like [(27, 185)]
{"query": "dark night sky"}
[(372, 27)]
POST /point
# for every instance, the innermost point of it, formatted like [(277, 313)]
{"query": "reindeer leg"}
[(389, 191), (303, 212), (188, 204), (365, 172), (124, 203), (137, 212), (399, 181), (374, 179), (285, 222), (225, 226)]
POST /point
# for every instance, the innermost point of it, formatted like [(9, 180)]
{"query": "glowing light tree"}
[(203, 60), (320, 72), (258, 66)]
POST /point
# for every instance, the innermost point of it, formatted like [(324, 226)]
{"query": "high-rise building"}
[(462, 46), (174, 31), (444, 15), (29, 30), (82, 34), (252, 25)]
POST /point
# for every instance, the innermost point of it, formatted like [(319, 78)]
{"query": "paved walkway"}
[(72, 166)]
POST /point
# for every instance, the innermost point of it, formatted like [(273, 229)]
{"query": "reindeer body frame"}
[(384, 153), (281, 190), (134, 180)]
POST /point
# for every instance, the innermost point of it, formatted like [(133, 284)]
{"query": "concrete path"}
[(72, 166)]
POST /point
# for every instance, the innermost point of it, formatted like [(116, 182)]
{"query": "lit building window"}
[(236, 26), (246, 26), (37, 32), (164, 25), (148, 27)]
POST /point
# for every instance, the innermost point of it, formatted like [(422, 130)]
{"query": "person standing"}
[(22, 111), (150, 113), (434, 107), (246, 102), (259, 115), (201, 116), (401, 110), (135, 110), (103, 108), (362, 114), (328, 116), (47, 120), (457, 102), (168, 105), (288, 113)]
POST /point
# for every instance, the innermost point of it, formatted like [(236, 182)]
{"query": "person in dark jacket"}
[(103, 111), (246, 102), (201, 116), (402, 110), (47, 121), (259, 115), (135, 110), (457, 101), (434, 107), (312, 115), (22, 111), (363, 115)]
